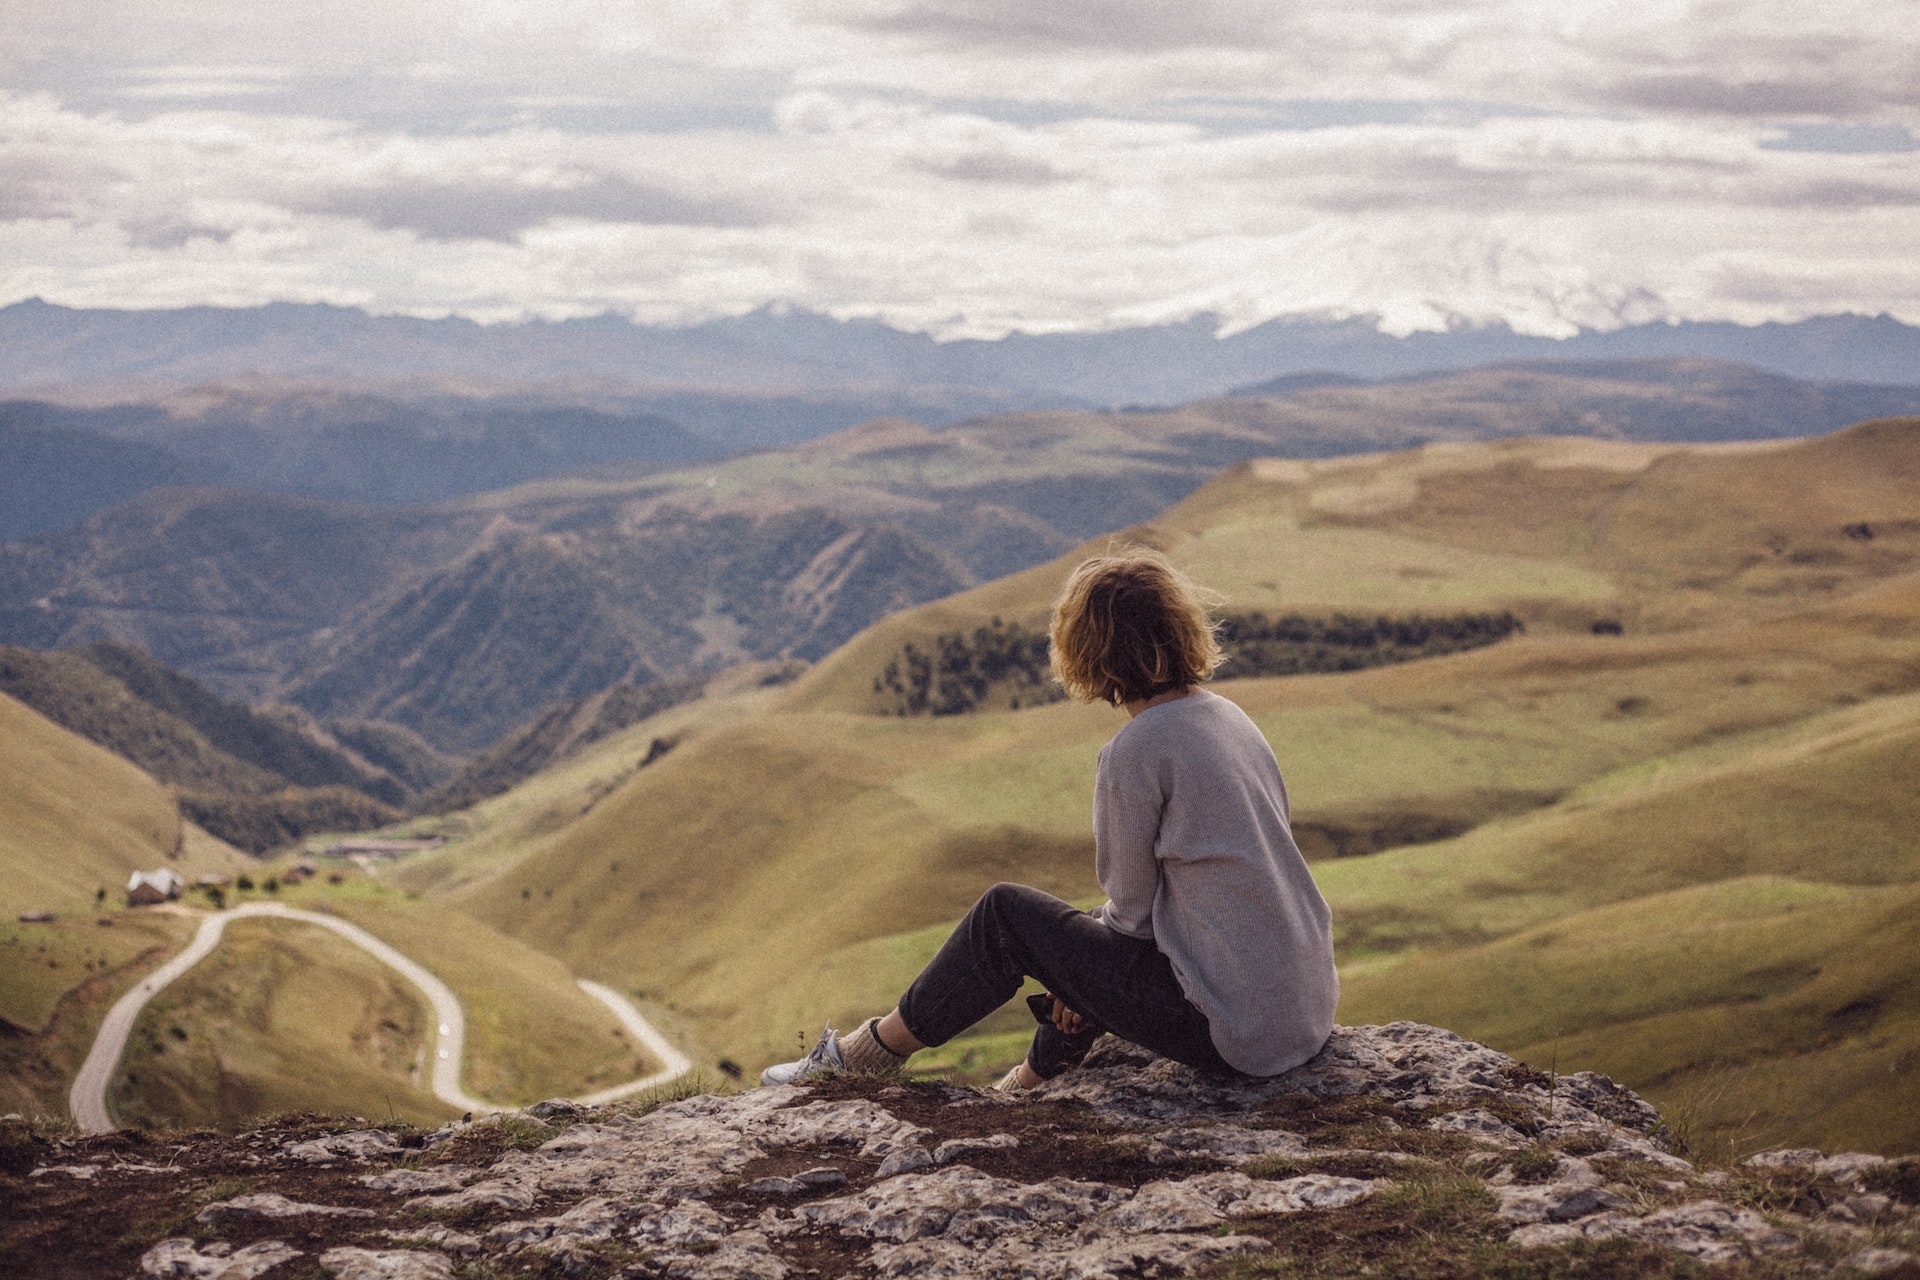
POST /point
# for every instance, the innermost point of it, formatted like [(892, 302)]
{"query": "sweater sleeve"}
[(1126, 829)]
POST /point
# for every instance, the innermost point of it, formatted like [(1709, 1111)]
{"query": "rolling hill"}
[(466, 619), (74, 818), (254, 778), (1730, 762)]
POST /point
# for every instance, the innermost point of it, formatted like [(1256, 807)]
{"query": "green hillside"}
[(257, 781), (283, 1017), (1564, 532), (1670, 846), (1738, 934), (75, 820), (848, 841), (240, 1035)]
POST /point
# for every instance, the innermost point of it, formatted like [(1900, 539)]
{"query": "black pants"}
[(1121, 985)]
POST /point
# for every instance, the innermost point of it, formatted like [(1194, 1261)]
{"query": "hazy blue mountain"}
[(53, 473), (415, 443), (65, 462), (46, 346), (1642, 399)]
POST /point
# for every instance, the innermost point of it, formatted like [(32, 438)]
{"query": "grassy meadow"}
[(56, 982), (283, 1016), (1732, 762), (531, 1032)]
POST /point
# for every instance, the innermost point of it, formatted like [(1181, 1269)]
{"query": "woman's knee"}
[(1009, 899), (1003, 896)]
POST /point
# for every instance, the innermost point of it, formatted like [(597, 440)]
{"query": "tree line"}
[(1004, 664)]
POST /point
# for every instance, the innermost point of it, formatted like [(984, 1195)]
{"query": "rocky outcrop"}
[(1403, 1144)]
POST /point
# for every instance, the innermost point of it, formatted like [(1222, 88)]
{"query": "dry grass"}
[(531, 1032), (56, 982), (75, 819), (282, 1017)]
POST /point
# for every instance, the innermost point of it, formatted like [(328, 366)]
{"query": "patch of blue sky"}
[(1842, 139)]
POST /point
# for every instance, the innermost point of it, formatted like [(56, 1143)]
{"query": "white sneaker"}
[(824, 1059)]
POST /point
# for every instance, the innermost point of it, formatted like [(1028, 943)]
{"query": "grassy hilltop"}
[(798, 864)]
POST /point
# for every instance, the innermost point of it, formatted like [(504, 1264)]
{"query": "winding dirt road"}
[(88, 1097)]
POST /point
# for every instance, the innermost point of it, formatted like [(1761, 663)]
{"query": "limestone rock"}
[(84, 1172), (953, 1149), (1413, 1064), (1705, 1229), (813, 1179), (1227, 1143), (958, 1202), (269, 1204), (1128, 1166), (1554, 1202), (361, 1147), (1205, 1201), (1790, 1158), (457, 1243), (1848, 1167), (904, 1160), (415, 1181), (1044, 1257), (1874, 1262), (1860, 1208), (1480, 1125), (216, 1261), (386, 1264)]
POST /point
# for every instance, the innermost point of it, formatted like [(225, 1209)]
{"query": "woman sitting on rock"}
[(1214, 947)]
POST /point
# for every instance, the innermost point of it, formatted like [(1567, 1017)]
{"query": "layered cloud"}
[(971, 166)]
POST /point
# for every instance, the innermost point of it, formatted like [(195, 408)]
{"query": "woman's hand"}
[(1069, 1022)]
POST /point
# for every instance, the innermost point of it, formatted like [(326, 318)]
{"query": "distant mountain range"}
[(44, 347), (466, 618), (424, 442)]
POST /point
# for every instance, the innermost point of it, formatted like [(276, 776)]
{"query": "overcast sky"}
[(969, 166)]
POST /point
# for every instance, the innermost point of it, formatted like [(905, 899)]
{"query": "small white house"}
[(148, 887)]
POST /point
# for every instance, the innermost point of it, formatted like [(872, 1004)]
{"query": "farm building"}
[(148, 887)]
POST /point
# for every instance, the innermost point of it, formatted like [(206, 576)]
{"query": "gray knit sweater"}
[(1193, 849)]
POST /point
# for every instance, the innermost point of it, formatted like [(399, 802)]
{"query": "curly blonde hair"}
[(1129, 626)]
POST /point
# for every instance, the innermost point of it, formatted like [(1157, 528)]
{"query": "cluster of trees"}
[(1004, 664), (1002, 661), (262, 823), (1292, 644)]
